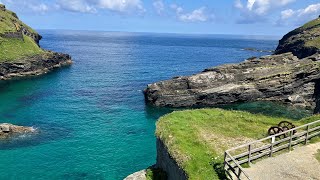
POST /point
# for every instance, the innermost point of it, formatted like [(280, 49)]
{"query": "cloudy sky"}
[(256, 17)]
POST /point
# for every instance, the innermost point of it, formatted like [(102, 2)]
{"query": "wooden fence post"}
[(249, 156), (307, 134), (225, 160), (290, 141), (239, 173), (271, 147)]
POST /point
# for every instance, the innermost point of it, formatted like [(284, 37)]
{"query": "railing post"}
[(307, 134), (225, 161), (271, 147), (239, 173), (249, 156), (290, 141)]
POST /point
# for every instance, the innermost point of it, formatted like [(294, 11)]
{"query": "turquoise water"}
[(92, 119)]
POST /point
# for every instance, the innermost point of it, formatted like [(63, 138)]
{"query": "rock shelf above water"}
[(281, 77), (9, 130)]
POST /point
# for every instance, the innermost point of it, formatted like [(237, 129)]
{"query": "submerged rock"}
[(8, 130), (282, 78)]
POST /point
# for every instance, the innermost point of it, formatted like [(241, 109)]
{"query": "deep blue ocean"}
[(92, 119)]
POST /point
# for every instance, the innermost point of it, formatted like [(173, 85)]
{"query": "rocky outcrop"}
[(303, 41), (282, 78), (168, 164), (33, 66), (140, 175), (9, 130)]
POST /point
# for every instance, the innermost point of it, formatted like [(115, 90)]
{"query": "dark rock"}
[(33, 66), (282, 78), (303, 41)]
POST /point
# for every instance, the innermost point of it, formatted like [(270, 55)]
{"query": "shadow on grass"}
[(156, 174)]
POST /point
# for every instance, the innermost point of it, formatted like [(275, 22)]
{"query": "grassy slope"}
[(314, 27), (13, 49), (198, 138)]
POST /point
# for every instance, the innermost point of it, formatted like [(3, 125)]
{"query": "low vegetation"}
[(155, 174), (9, 21), (197, 139), (15, 48), (318, 155)]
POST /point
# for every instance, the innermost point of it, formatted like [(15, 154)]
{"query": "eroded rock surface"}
[(8, 130), (33, 66), (282, 78)]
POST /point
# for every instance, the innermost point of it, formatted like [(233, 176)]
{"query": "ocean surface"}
[(91, 117)]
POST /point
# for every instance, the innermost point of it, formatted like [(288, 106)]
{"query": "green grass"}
[(317, 155), (8, 22), (197, 139), (11, 48), (15, 49), (155, 174), (311, 24), (314, 43)]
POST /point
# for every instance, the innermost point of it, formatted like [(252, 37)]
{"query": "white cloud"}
[(197, 15), (300, 16), (122, 6), (42, 8), (252, 11), (82, 6), (27, 6), (76, 6), (159, 6), (286, 14)]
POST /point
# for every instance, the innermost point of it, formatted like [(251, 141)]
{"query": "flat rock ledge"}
[(9, 130), (140, 175), (283, 78), (33, 66)]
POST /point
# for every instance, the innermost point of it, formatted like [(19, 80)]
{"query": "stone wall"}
[(15, 35)]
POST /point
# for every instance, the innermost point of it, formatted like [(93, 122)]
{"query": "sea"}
[(91, 118)]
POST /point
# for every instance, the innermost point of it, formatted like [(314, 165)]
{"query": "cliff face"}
[(168, 164), (303, 41), (34, 66), (20, 53), (282, 77)]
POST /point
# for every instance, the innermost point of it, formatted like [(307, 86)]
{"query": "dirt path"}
[(299, 164)]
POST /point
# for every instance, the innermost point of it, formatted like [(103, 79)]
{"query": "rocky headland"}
[(292, 75), (33, 66), (10, 130), (20, 53)]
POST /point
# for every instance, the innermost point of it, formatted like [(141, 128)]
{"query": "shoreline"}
[(33, 66)]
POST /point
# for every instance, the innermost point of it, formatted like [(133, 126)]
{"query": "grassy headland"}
[(197, 139), (15, 48)]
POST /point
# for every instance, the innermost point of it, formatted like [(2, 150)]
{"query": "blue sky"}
[(247, 17)]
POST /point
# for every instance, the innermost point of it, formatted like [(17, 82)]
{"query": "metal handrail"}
[(237, 164)]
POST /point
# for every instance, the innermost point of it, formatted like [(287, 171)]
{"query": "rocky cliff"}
[(33, 66), (303, 41), (283, 77), (20, 53)]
